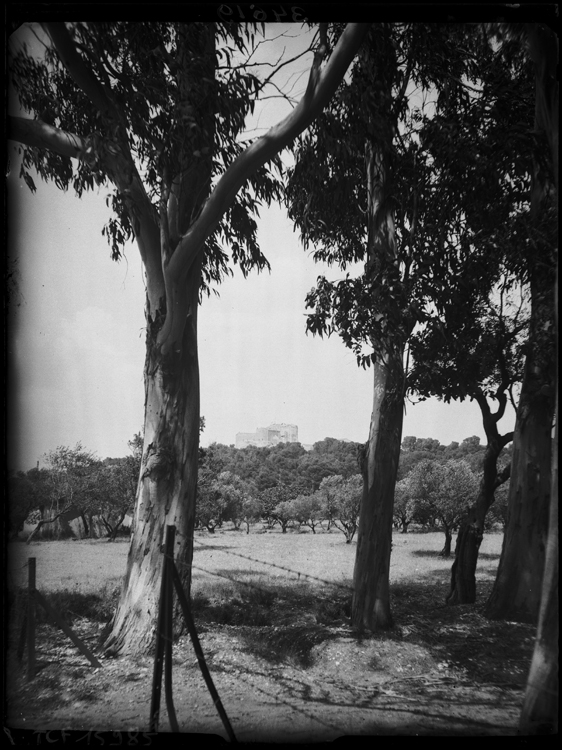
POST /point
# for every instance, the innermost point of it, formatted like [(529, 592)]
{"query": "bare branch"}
[(321, 88)]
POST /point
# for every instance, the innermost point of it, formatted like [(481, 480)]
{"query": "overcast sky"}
[(76, 349)]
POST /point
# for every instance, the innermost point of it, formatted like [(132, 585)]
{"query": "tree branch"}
[(320, 89), (506, 439), (38, 134), (77, 68), (503, 476)]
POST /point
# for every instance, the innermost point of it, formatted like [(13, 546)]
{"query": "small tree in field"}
[(284, 514), (404, 507), (444, 492), (113, 490), (309, 510), (232, 490), (251, 510), (343, 498), (69, 473)]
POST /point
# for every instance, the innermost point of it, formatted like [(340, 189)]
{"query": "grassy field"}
[(89, 565), (273, 614)]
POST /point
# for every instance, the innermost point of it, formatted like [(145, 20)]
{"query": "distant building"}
[(266, 436)]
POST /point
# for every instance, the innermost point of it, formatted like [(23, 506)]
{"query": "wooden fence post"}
[(163, 646)]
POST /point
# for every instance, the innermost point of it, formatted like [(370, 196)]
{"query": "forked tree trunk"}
[(471, 530), (470, 534), (168, 479), (371, 590)]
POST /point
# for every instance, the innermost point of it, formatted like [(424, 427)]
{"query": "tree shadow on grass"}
[(433, 553), (282, 619), (490, 651)]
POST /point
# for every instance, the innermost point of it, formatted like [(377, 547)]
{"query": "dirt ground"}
[(440, 671)]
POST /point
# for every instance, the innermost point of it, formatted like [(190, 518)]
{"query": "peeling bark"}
[(167, 486), (371, 595)]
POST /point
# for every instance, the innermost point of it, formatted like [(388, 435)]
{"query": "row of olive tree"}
[(227, 497), (436, 494), (75, 485)]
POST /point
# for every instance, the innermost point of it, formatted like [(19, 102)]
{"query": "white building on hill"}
[(266, 436)]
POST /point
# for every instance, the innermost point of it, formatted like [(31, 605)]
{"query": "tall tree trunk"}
[(379, 464), (517, 590), (371, 594), (167, 485), (541, 705)]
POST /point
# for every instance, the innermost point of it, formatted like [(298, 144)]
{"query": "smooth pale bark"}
[(371, 589), (379, 466), (167, 485)]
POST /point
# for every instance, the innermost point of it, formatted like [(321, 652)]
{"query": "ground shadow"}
[(433, 553), (283, 619), (485, 650)]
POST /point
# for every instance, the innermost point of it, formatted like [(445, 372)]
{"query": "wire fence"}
[(293, 572), (299, 573)]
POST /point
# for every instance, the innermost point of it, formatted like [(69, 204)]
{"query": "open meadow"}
[(272, 611)]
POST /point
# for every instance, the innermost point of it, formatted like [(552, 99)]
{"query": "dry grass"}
[(268, 631), (87, 566), (254, 581)]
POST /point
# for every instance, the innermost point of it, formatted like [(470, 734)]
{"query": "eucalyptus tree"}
[(358, 193), (540, 710), (484, 163), (517, 590), (155, 110)]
